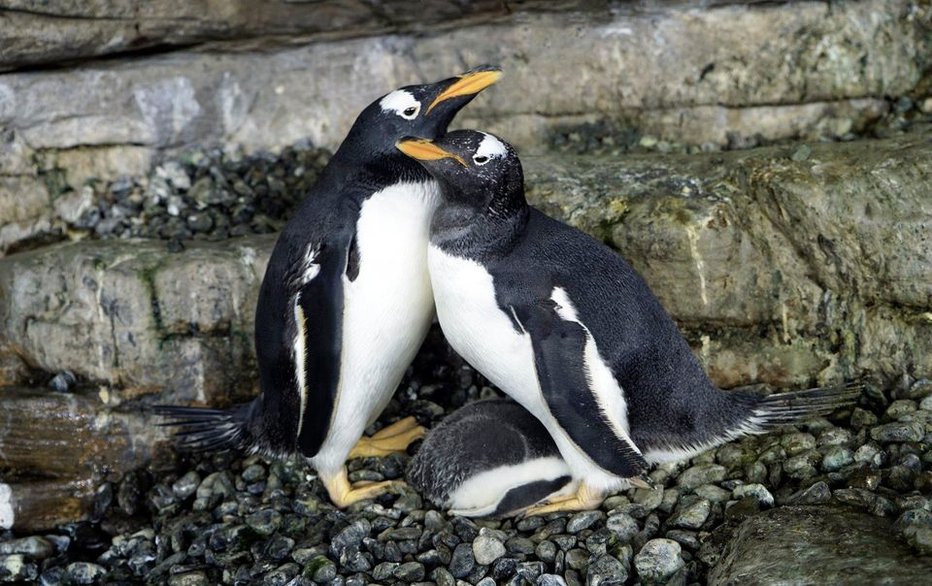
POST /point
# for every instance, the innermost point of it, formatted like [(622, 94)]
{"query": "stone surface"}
[(817, 545), (55, 449), (727, 75)]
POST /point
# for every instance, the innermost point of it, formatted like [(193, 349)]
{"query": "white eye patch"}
[(489, 147), (401, 103)]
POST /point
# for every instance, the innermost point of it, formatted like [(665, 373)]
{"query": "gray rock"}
[(701, 474), (15, 568), (658, 561), (623, 526), (757, 491), (186, 485), (607, 570), (351, 536), (836, 458), (486, 549), (838, 545), (85, 573), (583, 520), (409, 572), (265, 522), (692, 516), (818, 493), (898, 432), (33, 548), (550, 580), (463, 561), (189, 579)]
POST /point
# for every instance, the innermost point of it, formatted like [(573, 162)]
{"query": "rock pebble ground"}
[(233, 520)]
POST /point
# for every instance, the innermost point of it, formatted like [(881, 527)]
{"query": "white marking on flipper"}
[(602, 383), (300, 359)]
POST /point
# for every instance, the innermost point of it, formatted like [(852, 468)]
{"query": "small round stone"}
[(692, 516), (486, 549), (757, 491), (463, 561), (624, 526), (701, 474), (606, 571), (658, 560), (583, 520), (409, 572), (85, 573), (898, 432), (836, 458)]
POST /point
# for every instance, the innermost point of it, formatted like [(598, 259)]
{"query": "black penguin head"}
[(422, 111), (475, 170)]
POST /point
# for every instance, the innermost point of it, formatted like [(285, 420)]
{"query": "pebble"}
[(702, 474), (350, 536), (463, 561), (15, 568), (33, 548), (409, 572), (817, 494), (658, 560), (624, 526), (487, 549), (550, 580), (692, 516), (758, 492), (836, 458), (583, 520), (605, 571), (898, 432), (85, 573)]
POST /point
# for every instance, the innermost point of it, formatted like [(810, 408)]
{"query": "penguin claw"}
[(394, 438)]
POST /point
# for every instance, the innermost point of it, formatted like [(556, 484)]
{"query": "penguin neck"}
[(460, 230), (353, 164)]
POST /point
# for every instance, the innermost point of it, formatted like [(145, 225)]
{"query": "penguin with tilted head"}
[(567, 328), (346, 299)]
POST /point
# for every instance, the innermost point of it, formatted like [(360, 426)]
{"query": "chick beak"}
[(425, 150)]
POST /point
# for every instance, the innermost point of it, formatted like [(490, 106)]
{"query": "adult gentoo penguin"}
[(345, 301), (566, 327), (489, 458)]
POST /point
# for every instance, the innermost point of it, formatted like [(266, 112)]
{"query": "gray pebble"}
[(606, 571), (658, 560), (898, 432), (757, 491), (189, 579), (546, 550), (712, 493), (85, 573), (409, 572), (692, 516), (463, 561), (577, 559), (486, 549), (550, 580), (583, 520), (836, 458), (817, 494), (34, 548), (352, 535), (265, 522), (701, 474), (623, 526), (15, 568)]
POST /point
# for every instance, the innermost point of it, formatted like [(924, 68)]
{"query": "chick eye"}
[(480, 159), (410, 112)]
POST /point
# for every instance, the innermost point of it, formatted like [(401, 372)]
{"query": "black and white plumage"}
[(345, 302), (566, 327), (489, 458)]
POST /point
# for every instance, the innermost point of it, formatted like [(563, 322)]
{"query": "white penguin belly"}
[(484, 336), (387, 311)]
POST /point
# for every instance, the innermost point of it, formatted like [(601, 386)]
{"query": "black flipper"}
[(209, 430), (559, 350)]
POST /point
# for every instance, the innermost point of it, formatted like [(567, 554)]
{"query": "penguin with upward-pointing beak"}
[(345, 302), (567, 328)]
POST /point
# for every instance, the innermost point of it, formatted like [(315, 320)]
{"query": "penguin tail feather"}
[(782, 409), (208, 430)]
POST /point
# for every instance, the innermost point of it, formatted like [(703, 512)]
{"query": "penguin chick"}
[(566, 327), (345, 302), (489, 458)]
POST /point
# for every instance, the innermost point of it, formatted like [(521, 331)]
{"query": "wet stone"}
[(550, 580), (577, 559), (520, 545), (186, 485), (265, 522), (350, 536), (861, 418), (504, 568), (546, 550), (836, 458)]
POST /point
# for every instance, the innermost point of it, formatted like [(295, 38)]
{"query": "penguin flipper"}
[(559, 355)]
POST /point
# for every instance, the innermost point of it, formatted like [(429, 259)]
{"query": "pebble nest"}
[(225, 519), (209, 194)]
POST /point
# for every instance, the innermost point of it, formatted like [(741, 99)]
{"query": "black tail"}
[(775, 411), (209, 430)]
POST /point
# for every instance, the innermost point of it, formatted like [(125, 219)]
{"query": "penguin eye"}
[(411, 112), (480, 159)]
